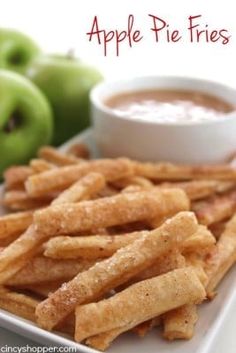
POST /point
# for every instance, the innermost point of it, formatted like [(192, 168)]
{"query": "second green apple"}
[(66, 82)]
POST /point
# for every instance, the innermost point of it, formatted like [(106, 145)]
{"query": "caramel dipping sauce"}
[(169, 106)]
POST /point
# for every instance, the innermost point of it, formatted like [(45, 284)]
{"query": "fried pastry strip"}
[(40, 165), (18, 304), (110, 211), (103, 340), (200, 242), (180, 323), (199, 189), (15, 223), (216, 209), (59, 179), (41, 269), (83, 189), (223, 257), (79, 150), (19, 200), (54, 156), (14, 177), (139, 302), (169, 171), (42, 289), (88, 247)]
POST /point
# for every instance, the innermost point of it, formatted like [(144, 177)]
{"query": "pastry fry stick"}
[(14, 177), (197, 262), (216, 209), (88, 247), (126, 263), (180, 323), (110, 211), (42, 289), (6, 241), (169, 171), (200, 242), (199, 189), (18, 304), (59, 179), (15, 223), (83, 189), (20, 200), (40, 165), (223, 257), (134, 181), (52, 155), (100, 246), (79, 150), (41, 269), (164, 293), (103, 340)]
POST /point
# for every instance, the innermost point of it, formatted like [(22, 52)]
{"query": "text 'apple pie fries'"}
[(95, 248)]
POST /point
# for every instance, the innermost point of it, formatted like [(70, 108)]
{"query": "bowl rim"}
[(98, 103)]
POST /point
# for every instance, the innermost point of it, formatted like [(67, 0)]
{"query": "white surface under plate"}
[(215, 330)]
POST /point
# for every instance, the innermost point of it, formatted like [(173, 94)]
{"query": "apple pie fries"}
[(95, 248)]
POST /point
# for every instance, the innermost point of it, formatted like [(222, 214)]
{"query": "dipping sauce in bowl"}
[(165, 118), (169, 106)]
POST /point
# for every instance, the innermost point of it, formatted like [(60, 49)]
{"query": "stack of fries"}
[(95, 248)]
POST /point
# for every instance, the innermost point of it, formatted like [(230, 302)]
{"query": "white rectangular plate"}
[(215, 330)]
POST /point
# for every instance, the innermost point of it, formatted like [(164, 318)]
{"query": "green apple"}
[(26, 120), (66, 82), (16, 50)]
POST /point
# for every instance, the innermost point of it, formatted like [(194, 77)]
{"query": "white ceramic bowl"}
[(188, 142)]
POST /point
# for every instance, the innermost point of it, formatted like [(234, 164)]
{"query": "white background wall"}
[(59, 25)]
